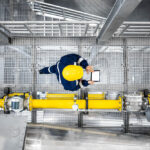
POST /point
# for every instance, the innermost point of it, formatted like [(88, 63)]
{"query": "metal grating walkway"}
[(51, 28)]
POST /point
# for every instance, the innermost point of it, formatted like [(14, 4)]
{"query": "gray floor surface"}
[(63, 138)]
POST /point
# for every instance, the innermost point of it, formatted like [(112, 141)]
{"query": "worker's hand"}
[(89, 69), (81, 80), (91, 82)]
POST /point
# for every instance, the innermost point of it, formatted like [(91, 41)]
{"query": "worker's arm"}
[(70, 59), (85, 83), (71, 86)]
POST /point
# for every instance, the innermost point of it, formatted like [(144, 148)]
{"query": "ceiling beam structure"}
[(4, 38), (86, 29), (95, 31), (4, 35), (28, 28), (120, 11), (60, 29)]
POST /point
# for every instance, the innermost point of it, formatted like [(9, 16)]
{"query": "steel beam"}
[(28, 28), (5, 30), (86, 29), (136, 23), (4, 39), (126, 27), (60, 29), (120, 11), (96, 29), (46, 22)]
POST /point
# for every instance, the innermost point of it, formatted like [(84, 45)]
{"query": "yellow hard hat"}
[(72, 72)]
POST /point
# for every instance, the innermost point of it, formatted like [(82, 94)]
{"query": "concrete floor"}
[(45, 137)]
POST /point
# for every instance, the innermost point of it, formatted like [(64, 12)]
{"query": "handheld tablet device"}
[(95, 76)]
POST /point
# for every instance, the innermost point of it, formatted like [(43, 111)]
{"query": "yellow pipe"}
[(96, 96), (2, 103), (149, 98), (68, 103), (60, 96), (106, 104), (55, 103)]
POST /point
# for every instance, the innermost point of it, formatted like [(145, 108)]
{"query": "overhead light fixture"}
[(93, 24), (69, 19)]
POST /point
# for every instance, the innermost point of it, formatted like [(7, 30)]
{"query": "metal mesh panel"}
[(138, 123), (103, 119), (26, 55), (20, 63), (17, 64), (70, 118), (58, 117), (139, 67), (16, 68), (109, 60)]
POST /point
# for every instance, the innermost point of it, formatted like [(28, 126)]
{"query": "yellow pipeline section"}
[(2, 103), (149, 98), (54, 104), (96, 96), (60, 96), (68, 103)]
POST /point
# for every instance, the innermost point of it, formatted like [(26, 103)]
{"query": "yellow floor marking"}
[(71, 129)]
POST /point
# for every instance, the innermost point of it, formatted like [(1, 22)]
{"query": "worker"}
[(69, 71)]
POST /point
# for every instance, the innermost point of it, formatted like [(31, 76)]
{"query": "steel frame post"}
[(34, 116), (125, 65), (34, 78), (126, 114), (80, 114), (126, 122), (80, 119)]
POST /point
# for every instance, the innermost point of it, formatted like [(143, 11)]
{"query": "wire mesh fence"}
[(27, 55), (109, 60), (138, 123), (139, 67), (133, 122)]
